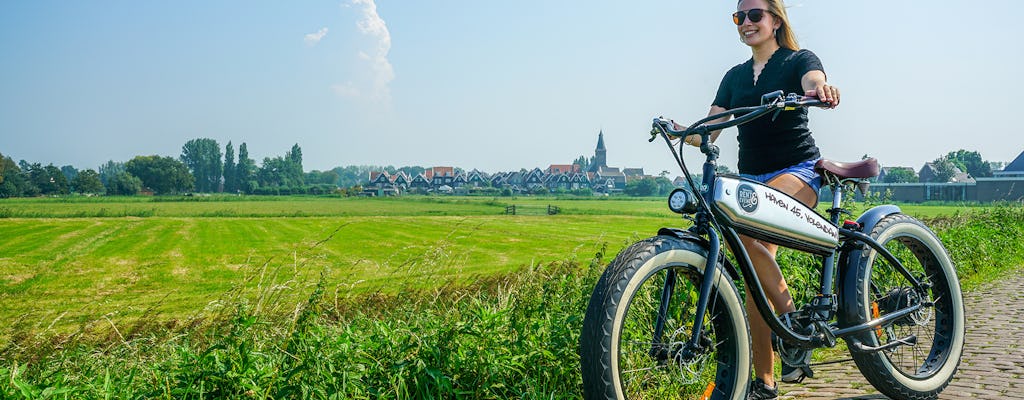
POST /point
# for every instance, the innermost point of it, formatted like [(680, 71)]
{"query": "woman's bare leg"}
[(762, 255)]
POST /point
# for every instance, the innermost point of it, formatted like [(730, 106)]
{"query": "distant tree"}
[(900, 175), (13, 181), (58, 180), (109, 170), (412, 171), (245, 170), (294, 172), (347, 176), (162, 175), (282, 172), (203, 159), (322, 178), (665, 185), (124, 184), (274, 172), (944, 170), (49, 179), (641, 187), (69, 172), (583, 163), (230, 176), (37, 176), (352, 175), (971, 163), (87, 181)]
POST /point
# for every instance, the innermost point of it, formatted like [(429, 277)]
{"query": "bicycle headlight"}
[(681, 201)]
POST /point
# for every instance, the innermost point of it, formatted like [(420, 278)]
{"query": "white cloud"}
[(372, 25), (314, 38)]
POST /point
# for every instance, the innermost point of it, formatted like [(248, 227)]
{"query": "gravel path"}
[(992, 366)]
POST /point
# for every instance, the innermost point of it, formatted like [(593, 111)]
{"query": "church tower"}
[(600, 154)]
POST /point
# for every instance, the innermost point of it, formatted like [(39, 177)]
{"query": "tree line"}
[(204, 168), (946, 167), (201, 167)]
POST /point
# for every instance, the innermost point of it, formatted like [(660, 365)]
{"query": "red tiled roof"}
[(442, 171), (563, 168)]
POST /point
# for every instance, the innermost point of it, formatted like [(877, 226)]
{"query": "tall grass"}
[(499, 337), (509, 336)]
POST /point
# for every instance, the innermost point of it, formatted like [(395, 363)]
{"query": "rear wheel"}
[(656, 283), (933, 336)]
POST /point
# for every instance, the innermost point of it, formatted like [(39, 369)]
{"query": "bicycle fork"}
[(693, 347)]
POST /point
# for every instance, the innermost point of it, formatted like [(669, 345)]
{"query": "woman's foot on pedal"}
[(797, 373), (761, 391), (796, 362)]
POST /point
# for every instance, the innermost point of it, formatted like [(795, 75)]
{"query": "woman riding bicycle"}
[(777, 151)]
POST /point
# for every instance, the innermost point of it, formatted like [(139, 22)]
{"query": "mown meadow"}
[(326, 297)]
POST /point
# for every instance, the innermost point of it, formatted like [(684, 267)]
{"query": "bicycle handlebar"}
[(774, 101)]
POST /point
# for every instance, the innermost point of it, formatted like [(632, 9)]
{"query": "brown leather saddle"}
[(863, 169)]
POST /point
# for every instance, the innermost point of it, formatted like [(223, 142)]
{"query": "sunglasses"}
[(755, 14)]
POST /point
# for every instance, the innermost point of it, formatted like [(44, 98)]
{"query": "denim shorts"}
[(805, 171)]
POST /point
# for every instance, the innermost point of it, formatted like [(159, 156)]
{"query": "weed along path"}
[(992, 366)]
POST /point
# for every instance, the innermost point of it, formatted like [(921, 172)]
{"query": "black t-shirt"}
[(766, 145)]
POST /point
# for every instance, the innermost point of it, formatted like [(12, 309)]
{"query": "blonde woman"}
[(779, 152)]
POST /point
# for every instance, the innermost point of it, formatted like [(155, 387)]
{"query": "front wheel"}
[(933, 336), (640, 319)]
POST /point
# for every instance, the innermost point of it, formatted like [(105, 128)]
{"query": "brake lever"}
[(660, 126)]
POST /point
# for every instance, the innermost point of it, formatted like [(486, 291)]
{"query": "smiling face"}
[(759, 33)]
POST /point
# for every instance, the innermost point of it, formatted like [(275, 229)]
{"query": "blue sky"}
[(487, 85)]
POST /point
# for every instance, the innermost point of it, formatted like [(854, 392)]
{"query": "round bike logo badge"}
[(747, 197)]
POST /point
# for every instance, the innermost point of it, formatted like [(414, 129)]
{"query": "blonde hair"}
[(784, 36)]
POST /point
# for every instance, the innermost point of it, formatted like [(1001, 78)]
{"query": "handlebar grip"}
[(808, 101), (768, 97)]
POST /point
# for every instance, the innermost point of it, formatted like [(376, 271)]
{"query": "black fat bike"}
[(666, 319)]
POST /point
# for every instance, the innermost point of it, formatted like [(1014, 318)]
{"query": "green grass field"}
[(66, 262), (319, 297)]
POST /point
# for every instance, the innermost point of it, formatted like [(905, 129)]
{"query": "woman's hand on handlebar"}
[(830, 95), (688, 139), (692, 140), (815, 85)]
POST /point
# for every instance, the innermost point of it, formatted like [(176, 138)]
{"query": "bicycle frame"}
[(710, 222)]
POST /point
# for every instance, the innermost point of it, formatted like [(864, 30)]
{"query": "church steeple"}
[(600, 154)]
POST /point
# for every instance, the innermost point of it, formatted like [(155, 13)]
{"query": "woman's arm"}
[(695, 140), (814, 84)]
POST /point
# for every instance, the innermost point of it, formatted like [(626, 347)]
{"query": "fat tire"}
[(612, 297), (949, 321)]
